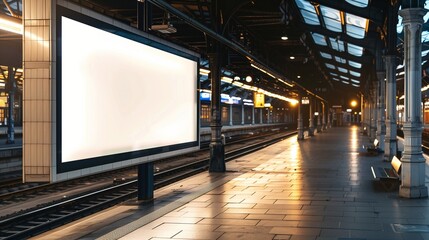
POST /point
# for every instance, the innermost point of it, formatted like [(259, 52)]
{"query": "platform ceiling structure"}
[(325, 47)]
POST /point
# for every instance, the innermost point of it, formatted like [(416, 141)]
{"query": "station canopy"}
[(325, 47)]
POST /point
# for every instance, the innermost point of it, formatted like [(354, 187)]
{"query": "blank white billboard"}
[(120, 96)]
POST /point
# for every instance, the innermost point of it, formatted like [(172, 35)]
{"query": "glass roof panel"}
[(326, 55), (356, 74), (304, 4), (345, 82), (340, 60), (426, 17), (333, 74), (355, 32), (332, 18), (310, 18), (308, 12), (336, 79), (358, 3), (337, 45), (424, 53), (354, 49), (355, 64), (356, 21), (319, 39), (355, 85), (343, 70), (355, 81), (343, 77), (425, 36), (330, 66)]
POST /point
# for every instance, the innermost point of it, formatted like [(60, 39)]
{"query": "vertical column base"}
[(311, 131), (145, 182), (319, 128), (300, 133), (413, 192), (413, 177), (217, 157)]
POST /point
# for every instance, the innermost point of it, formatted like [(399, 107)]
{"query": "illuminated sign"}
[(305, 100), (258, 100)]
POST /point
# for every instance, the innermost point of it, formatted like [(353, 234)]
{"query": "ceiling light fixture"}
[(284, 38)]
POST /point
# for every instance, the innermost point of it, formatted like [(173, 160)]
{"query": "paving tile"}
[(191, 234), (244, 229), (296, 231), (281, 237), (266, 216), (225, 221), (276, 223), (246, 236)]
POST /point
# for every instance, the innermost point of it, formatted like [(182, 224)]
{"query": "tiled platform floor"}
[(319, 188)]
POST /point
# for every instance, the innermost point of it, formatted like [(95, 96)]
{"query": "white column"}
[(391, 142), (381, 106), (413, 162)]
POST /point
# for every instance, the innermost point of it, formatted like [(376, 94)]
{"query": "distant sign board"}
[(259, 100), (305, 100)]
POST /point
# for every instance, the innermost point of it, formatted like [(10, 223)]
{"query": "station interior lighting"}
[(254, 65), (204, 71), (236, 78), (353, 103), (10, 24), (284, 37), (249, 79)]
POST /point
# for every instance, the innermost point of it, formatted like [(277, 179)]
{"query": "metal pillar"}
[(261, 113), (145, 182), (230, 115), (362, 115), (373, 123), (242, 113), (300, 121), (311, 120), (381, 106), (391, 142), (144, 15), (324, 127), (11, 89), (253, 114), (329, 118), (413, 162), (319, 118)]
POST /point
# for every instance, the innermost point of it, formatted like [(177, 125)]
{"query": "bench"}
[(373, 149), (388, 177)]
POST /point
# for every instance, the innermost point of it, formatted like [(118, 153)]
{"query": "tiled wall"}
[(39, 97)]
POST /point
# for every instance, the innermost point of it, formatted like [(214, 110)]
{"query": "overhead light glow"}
[(10, 24), (284, 38)]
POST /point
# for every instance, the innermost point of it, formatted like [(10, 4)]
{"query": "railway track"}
[(43, 218)]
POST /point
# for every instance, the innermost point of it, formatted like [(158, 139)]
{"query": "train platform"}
[(320, 188)]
